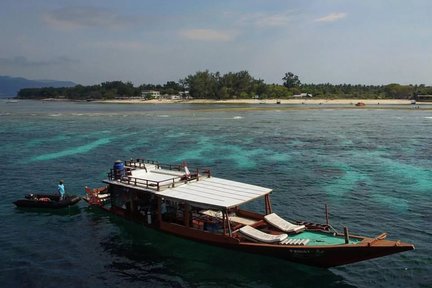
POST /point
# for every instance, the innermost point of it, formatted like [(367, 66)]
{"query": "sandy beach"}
[(266, 101)]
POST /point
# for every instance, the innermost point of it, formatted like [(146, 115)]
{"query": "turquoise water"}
[(371, 166)]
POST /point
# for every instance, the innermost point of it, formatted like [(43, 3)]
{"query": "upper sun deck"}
[(198, 188)]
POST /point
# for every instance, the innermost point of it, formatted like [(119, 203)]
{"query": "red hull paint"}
[(324, 256), (319, 256)]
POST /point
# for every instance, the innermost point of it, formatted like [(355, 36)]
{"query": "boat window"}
[(145, 203), (171, 211), (123, 197)]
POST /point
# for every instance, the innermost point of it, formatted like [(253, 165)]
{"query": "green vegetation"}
[(291, 80), (240, 85)]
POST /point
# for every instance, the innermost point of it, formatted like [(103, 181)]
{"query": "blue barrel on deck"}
[(119, 169)]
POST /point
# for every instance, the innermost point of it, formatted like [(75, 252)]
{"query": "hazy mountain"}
[(9, 86)]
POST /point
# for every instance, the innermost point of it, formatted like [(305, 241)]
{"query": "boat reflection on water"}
[(68, 211)]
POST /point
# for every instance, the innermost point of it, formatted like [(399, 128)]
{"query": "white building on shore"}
[(151, 93), (303, 95)]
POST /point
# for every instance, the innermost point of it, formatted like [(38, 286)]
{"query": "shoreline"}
[(263, 101)]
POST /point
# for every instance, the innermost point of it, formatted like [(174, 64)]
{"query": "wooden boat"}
[(96, 196), (360, 104), (46, 201), (200, 207)]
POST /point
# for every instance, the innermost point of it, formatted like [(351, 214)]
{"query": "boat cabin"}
[(157, 194)]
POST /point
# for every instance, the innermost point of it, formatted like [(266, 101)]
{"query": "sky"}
[(370, 42)]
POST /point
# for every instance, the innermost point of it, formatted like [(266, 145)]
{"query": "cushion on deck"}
[(260, 236), (292, 241), (282, 224)]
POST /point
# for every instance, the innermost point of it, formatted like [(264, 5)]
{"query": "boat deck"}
[(320, 238), (314, 238), (197, 188)]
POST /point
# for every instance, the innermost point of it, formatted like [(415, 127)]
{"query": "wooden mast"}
[(268, 207), (227, 221), (187, 214)]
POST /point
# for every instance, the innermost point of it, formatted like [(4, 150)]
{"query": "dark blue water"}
[(371, 166)]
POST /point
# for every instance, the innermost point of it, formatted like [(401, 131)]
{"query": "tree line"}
[(239, 85)]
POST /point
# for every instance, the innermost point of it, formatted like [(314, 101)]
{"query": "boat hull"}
[(50, 201), (318, 256), (208, 210), (324, 256)]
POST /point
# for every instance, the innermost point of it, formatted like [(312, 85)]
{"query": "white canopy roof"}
[(215, 192), (206, 192)]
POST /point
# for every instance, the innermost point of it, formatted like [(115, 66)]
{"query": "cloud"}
[(333, 17), (21, 61), (120, 45), (263, 20), (79, 17), (208, 35), (272, 21)]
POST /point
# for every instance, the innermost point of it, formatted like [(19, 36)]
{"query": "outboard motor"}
[(119, 169)]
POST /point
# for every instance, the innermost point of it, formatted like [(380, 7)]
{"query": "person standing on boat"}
[(61, 189)]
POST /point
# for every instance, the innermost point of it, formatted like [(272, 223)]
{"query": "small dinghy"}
[(96, 196), (46, 201)]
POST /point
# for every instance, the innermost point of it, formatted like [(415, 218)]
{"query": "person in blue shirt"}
[(61, 189)]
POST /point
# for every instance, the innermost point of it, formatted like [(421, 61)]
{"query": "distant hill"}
[(9, 86)]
